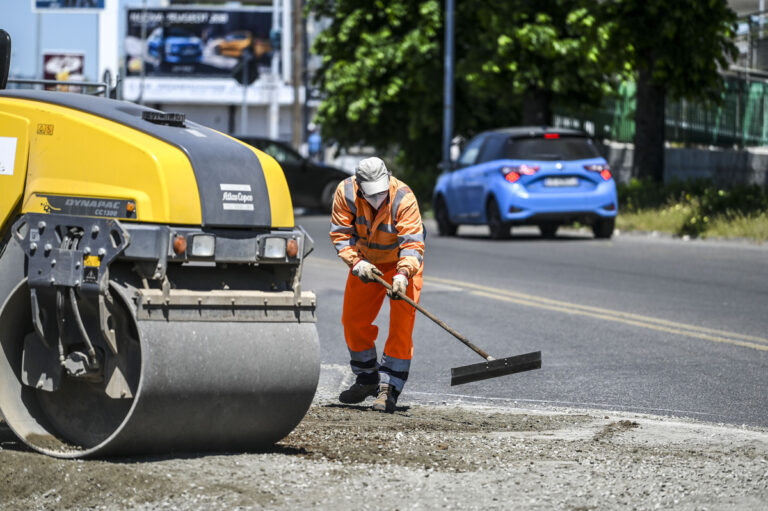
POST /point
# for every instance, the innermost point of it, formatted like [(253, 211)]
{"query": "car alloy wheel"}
[(500, 230)]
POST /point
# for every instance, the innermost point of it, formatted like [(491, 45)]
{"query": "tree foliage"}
[(381, 74), (382, 70), (543, 52), (682, 43), (675, 49)]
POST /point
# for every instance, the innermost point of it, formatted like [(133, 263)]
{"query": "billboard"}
[(63, 66), (195, 42), (70, 5)]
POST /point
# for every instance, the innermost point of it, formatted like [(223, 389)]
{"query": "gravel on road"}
[(460, 456)]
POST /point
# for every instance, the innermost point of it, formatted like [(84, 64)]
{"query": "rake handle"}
[(434, 318)]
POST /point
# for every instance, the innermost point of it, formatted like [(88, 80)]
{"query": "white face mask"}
[(376, 199)]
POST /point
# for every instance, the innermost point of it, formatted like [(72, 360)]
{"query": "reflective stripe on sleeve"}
[(342, 229), (401, 193), (411, 238), (349, 195), (351, 242), (411, 253)]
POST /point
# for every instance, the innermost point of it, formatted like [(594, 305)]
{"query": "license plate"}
[(561, 181)]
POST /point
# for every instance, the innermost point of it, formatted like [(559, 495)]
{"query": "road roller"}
[(150, 283)]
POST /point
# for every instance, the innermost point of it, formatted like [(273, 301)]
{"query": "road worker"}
[(376, 229)]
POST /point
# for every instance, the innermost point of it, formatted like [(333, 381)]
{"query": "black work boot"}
[(387, 399), (358, 392)]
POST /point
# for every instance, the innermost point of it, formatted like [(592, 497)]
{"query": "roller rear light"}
[(203, 245), (292, 248), (179, 244), (274, 248)]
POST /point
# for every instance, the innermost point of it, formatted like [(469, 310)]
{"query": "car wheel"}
[(548, 230), (603, 229), (444, 225), (326, 196), (500, 230)]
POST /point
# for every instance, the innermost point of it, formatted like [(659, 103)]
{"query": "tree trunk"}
[(648, 160), (536, 108)]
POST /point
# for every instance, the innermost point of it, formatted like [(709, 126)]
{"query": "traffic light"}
[(247, 70)]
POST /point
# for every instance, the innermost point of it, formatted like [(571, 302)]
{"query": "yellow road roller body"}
[(150, 270)]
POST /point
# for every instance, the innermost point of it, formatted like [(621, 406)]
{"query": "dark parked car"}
[(312, 184)]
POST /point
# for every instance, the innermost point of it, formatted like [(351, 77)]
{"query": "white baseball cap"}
[(372, 176)]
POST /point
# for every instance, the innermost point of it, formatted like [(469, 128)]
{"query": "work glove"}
[(399, 285), (365, 271)]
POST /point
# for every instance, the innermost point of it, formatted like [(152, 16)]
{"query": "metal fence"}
[(740, 120)]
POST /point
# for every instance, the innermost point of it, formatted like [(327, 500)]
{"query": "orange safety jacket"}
[(393, 234)]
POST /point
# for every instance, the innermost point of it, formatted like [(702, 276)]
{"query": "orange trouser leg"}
[(362, 303), (398, 350)]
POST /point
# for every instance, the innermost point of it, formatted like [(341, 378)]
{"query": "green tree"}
[(545, 52), (675, 49), (381, 76), (382, 70)]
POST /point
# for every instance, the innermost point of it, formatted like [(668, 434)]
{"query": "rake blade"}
[(494, 368)]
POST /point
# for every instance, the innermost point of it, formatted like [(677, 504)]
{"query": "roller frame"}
[(219, 370)]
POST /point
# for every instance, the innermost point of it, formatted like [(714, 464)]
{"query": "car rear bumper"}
[(520, 207), (563, 218)]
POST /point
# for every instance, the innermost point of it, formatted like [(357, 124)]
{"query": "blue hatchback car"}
[(175, 45), (527, 176)]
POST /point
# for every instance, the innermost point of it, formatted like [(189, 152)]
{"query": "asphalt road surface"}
[(637, 323)]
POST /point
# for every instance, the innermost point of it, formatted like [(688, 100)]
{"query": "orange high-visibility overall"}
[(391, 238)]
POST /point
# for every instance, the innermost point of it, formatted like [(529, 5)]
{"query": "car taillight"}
[(512, 174), (604, 170)]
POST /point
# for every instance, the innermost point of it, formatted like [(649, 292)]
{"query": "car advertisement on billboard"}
[(191, 42)]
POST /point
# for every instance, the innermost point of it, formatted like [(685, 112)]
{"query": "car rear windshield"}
[(564, 148)]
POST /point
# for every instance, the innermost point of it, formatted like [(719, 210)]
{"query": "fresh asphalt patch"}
[(450, 453)]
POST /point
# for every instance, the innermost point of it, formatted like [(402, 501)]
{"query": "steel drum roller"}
[(202, 386)]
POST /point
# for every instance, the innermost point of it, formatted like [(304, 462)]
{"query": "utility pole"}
[(39, 46), (144, 52), (296, 53), (274, 105), (245, 57), (448, 87)]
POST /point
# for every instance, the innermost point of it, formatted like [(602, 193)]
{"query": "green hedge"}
[(703, 200)]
